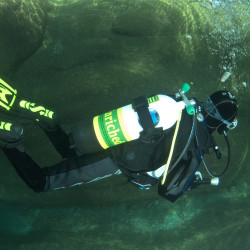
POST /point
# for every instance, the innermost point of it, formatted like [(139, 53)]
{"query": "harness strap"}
[(140, 105)]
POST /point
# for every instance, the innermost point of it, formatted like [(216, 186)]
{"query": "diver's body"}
[(142, 162), (76, 169)]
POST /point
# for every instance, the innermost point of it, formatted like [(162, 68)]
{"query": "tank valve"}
[(184, 89)]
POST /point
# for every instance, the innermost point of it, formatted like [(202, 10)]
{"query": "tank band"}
[(110, 129)]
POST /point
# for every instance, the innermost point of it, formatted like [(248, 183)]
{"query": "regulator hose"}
[(228, 158)]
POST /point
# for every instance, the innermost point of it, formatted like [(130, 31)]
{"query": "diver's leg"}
[(70, 172), (60, 140), (26, 168), (11, 134), (51, 127), (80, 170), (11, 137), (13, 103), (73, 171)]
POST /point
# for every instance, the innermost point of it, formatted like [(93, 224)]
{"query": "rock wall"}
[(87, 57), (22, 27)]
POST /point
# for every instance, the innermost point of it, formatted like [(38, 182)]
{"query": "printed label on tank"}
[(108, 129), (153, 99)]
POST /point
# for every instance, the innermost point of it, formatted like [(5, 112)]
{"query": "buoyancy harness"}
[(179, 179), (147, 127), (138, 157), (150, 151), (182, 173)]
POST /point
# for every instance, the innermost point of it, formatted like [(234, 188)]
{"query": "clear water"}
[(98, 55)]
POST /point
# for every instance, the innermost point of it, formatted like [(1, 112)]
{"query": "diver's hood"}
[(220, 111)]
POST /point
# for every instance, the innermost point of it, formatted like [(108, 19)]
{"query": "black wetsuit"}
[(75, 170), (72, 170)]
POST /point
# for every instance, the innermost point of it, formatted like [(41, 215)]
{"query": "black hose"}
[(228, 159)]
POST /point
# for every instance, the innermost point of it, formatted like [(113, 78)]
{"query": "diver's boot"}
[(11, 134)]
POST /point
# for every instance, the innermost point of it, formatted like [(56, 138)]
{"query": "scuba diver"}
[(160, 139)]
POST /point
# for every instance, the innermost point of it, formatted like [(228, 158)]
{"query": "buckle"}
[(151, 135)]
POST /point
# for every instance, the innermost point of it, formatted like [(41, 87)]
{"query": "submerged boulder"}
[(84, 58), (22, 26)]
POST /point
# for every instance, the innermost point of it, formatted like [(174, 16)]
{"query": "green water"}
[(86, 57)]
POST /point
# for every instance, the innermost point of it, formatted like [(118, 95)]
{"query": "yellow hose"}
[(172, 148)]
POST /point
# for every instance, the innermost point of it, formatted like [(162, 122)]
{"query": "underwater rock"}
[(96, 56), (137, 22), (22, 26)]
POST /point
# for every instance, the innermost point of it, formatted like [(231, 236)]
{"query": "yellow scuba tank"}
[(122, 125)]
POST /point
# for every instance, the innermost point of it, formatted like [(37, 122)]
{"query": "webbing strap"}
[(140, 105)]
